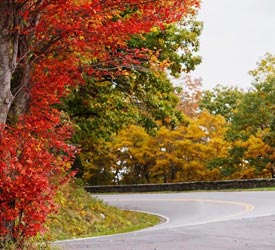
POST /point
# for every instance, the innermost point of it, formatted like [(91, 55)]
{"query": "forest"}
[(100, 90), (224, 133)]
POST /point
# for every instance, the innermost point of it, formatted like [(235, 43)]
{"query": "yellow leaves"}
[(87, 176), (157, 65), (265, 68), (155, 29), (180, 154), (213, 124), (161, 163), (132, 137), (255, 147), (154, 59), (246, 173), (164, 64), (218, 146)]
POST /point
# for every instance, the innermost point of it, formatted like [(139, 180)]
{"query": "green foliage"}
[(256, 111), (234, 139), (232, 135), (157, 103), (177, 44), (251, 117), (221, 101), (141, 95), (36, 243), (253, 114)]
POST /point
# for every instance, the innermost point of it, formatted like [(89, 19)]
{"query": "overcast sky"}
[(236, 35)]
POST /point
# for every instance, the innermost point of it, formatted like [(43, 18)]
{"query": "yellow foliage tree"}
[(259, 156), (183, 154), (132, 155), (167, 163), (172, 155), (202, 143)]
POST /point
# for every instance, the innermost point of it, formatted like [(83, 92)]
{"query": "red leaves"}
[(67, 38), (34, 157), (29, 177)]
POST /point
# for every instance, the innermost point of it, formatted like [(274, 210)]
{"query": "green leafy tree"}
[(227, 102), (222, 100), (255, 119), (176, 46), (251, 123), (141, 94)]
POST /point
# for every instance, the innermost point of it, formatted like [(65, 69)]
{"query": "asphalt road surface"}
[(193, 221)]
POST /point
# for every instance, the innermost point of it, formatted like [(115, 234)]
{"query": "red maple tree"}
[(46, 46)]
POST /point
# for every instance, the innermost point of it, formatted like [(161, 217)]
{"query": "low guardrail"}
[(183, 186)]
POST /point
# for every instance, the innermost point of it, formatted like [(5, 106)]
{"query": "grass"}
[(81, 215)]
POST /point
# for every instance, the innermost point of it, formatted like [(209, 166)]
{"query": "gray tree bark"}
[(6, 96), (6, 59), (13, 48), (15, 62), (12, 90)]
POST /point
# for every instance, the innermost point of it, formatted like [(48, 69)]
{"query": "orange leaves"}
[(93, 25), (181, 154), (256, 147), (61, 41), (28, 171)]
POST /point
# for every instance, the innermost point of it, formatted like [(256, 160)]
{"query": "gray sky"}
[(236, 35)]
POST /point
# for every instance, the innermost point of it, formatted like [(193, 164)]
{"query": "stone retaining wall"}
[(183, 186)]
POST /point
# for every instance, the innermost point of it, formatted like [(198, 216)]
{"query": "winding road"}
[(193, 221)]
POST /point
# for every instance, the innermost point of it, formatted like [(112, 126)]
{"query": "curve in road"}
[(197, 221)]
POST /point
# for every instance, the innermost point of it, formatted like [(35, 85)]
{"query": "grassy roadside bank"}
[(81, 215)]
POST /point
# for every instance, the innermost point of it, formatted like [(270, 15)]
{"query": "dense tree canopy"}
[(141, 95), (228, 133), (46, 47)]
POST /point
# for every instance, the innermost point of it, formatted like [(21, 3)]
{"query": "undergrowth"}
[(81, 215)]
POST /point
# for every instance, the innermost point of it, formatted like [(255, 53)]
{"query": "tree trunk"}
[(14, 65), (6, 96), (10, 91), (8, 56), (21, 90)]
